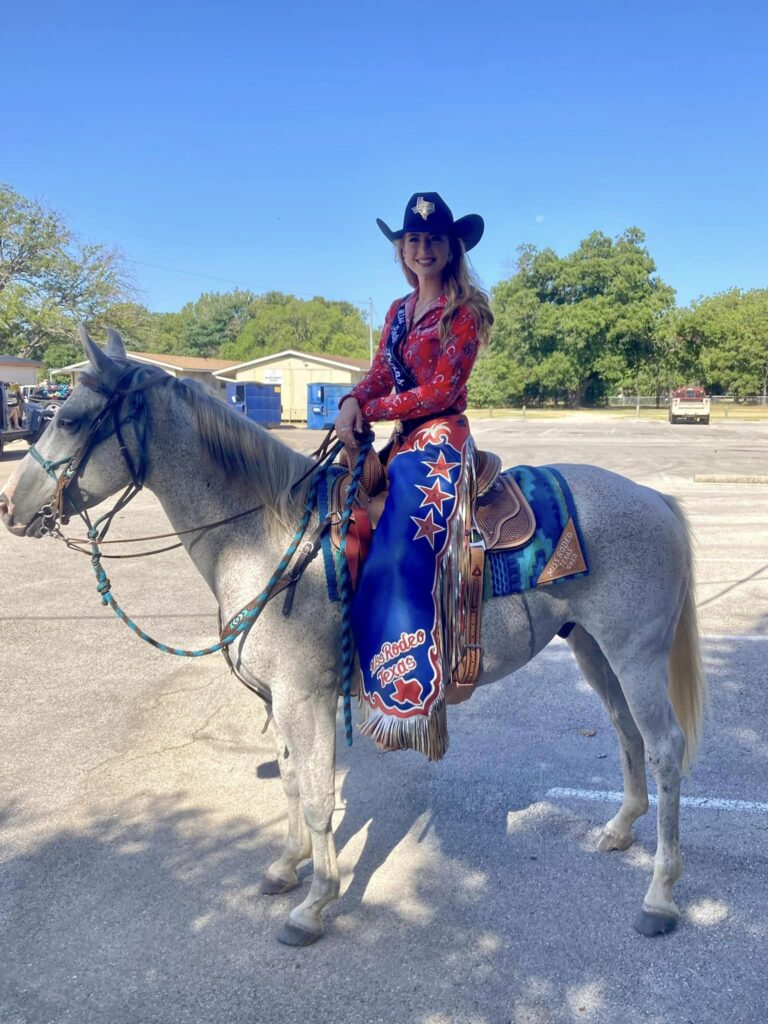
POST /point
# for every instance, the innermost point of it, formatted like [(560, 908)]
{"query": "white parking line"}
[(732, 637), (559, 646), (707, 803)]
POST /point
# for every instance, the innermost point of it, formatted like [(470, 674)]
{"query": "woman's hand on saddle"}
[(350, 422)]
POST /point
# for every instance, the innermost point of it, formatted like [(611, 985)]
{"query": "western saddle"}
[(502, 517)]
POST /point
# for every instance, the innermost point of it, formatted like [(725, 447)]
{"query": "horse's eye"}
[(69, 423)]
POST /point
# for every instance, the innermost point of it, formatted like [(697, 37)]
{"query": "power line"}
[(188, 273), (238, 284)]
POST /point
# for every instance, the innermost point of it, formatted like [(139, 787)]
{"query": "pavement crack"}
[(184, 689), (166, 748)]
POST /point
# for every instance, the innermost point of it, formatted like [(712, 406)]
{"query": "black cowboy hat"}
[(426, 211)]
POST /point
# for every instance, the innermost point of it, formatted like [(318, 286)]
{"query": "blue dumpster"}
[(323, 404), (259, 402)]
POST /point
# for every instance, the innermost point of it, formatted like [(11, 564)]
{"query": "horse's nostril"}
[(6, 507)]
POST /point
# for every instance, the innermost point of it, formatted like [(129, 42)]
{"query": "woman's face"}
[(425, 253)]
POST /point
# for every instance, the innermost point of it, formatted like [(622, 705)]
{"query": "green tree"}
[(49, 280), (583, 324), (496, 383), (278, 321), (727, 336), (30, 238), (213, 321)]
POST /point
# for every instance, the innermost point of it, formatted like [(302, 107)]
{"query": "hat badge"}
[(423, 208)]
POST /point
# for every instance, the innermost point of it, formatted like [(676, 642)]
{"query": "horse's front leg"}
[(307, 722), (281, 876)]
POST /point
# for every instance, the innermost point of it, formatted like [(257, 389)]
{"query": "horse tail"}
[(687, 681)]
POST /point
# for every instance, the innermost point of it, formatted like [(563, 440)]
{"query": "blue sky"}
[(251, 144)]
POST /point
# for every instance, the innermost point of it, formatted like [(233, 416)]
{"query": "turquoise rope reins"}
[(241, 623), (345, 591), (238, 624)]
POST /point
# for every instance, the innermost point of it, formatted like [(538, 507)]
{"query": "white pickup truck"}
[(689, 405)]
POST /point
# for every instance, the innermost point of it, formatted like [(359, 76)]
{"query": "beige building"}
[(14, 370), (293, 371), (194, 367)]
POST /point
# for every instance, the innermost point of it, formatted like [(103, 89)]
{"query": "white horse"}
[(635, 635)]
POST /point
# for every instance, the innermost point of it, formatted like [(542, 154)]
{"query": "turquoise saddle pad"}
[(511, 572)]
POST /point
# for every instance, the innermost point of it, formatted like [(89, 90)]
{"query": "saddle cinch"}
[(501, 514)]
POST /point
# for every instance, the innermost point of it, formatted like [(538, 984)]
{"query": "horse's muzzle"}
[(8, 519)]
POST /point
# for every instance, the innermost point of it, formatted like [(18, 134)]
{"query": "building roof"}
[(326, 358), (166, 360), (17, 361), (182, 362)]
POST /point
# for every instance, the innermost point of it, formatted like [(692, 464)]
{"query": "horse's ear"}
[(115, 344), (99, 360)]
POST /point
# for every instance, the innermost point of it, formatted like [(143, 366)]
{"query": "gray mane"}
[(245, 450)]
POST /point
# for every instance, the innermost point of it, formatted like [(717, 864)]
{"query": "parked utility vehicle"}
[(33, 420), (689, 405)]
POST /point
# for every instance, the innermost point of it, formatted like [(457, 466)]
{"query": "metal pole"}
[(370, 327)]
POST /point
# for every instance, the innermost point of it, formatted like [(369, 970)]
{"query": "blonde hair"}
[(461, 288)]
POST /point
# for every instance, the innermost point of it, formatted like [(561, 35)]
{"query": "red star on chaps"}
[(407, 691), (434, 496), (441, 467), (427, 527)]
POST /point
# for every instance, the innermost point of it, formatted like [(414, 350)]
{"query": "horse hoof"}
[(291, 935), (610, 841), (649, 924), (271, 886)]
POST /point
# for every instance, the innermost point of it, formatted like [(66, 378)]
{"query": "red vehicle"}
[(689, 405)]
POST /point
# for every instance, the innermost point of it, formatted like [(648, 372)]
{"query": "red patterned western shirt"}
[(442, 373)]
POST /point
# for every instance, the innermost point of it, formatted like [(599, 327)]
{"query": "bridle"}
[(108, 422)]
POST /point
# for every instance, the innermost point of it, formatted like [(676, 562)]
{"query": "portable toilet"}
[(259, 402), (323, 404)]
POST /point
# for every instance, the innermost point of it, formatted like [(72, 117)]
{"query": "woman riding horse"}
[(407, 598)]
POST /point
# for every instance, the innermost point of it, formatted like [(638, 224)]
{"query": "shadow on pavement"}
[(468, 896)]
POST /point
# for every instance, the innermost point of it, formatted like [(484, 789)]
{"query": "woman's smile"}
[(426, 253)]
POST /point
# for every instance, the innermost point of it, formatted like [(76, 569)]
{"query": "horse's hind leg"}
[(281, 876), (617, 833), (642, 668)]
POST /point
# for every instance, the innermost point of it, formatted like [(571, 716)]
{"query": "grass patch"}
[(741, 413)]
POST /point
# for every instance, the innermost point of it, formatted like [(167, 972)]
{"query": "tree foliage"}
[(278, 321), (214, 320), (725, 337), (496, 381), (241, 326), (581, 325), (50, 280)]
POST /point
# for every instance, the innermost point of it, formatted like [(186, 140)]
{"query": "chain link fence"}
[(651, 402)]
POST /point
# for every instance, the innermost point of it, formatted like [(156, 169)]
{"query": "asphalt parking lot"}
[(139, 805)]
